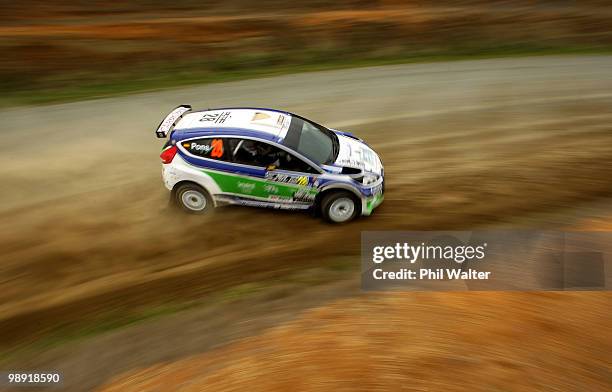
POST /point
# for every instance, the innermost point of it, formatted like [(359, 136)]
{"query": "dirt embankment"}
[(411, 342)]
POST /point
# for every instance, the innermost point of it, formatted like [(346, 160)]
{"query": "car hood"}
[(356, 154)]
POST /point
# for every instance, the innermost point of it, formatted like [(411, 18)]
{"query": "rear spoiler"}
[(170, 121)]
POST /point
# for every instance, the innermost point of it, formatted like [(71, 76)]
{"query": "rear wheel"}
[(339, 207), (193, 199)]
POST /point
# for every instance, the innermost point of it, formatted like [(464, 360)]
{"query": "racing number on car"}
[(218, 118), (217, 148)]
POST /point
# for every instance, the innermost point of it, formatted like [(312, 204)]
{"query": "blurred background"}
[(70, 49), (487, 115)]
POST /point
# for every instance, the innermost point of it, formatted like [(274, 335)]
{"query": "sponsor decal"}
[(271, 188), (260, 188), (306, 195), (260, 116), (170, 119), (361, 158), (203, 149), (368, 156), (287, 179), (214, 149), (254, 203), (279, 198), (246, 187)]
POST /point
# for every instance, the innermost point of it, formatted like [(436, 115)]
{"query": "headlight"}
[(370, 179)]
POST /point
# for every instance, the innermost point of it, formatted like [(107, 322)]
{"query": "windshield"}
[(315, 142)]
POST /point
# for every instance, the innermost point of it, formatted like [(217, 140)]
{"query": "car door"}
[(291, 180), (282, 180)]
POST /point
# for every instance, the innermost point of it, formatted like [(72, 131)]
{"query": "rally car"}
[(267, 158)]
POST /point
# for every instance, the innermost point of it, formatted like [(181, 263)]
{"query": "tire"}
[(339, 207), (193, 199)]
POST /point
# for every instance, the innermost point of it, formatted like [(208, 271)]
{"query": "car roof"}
[(267, 124)]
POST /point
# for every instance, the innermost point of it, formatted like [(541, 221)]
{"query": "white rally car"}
[(267, 158)]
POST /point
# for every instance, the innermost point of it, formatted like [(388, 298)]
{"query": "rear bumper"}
[(179, 171)]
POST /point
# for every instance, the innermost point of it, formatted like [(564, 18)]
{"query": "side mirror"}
[(271, 167)]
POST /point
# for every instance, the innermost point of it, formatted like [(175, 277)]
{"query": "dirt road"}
[(515, 142)]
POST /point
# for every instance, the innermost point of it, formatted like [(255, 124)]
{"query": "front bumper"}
[(370, 202)]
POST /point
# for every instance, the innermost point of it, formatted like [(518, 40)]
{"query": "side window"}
[(255, 153), (213, 148), (290, 162)]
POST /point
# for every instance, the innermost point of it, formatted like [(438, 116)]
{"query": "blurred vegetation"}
[(73, 50), (266, 289)]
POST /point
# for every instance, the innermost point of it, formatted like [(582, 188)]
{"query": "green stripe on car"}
[(248, 186)]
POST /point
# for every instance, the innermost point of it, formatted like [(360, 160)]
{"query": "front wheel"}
[(339, 207), (193, 199)]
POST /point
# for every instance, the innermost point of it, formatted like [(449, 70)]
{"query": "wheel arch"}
[(337, 188)]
